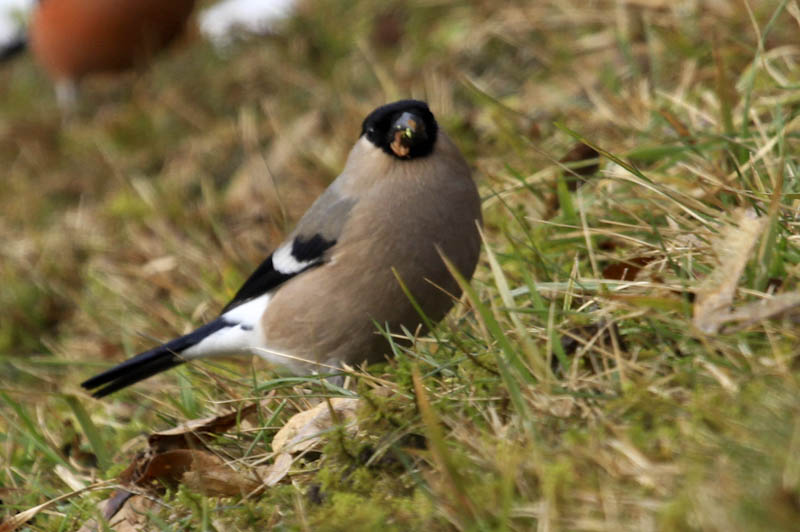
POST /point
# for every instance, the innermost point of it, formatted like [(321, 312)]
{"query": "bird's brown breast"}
[(395, 230)]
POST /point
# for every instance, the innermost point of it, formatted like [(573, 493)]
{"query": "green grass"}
[(546, 400)]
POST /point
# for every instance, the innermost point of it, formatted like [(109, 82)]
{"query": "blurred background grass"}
[(137, 219)]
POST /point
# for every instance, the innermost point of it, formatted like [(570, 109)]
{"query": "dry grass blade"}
[(754, 312), (17, 520), (715, 295)]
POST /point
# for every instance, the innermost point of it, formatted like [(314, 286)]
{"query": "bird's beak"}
[(407, 130)]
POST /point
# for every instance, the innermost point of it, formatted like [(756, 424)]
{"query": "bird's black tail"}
[(13, 48), (149, 363)]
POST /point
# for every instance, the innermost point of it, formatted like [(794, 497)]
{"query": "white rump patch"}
[(244, 334), (284, 262)]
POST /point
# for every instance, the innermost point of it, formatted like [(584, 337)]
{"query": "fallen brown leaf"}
[(133, 515), (626, 270), (209, 475), (169, 467), (115, 503), (190, 434), (275, 472), (179, 456), (303, 430)]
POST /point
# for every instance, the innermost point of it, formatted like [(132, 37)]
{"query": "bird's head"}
[(404, 129)]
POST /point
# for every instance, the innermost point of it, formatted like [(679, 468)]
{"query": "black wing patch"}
[(306, 253), (311, 249)]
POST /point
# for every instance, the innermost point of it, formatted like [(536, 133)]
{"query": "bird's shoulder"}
[(307, 247)]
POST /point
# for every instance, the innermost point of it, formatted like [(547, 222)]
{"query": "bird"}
[(71, 39), (404, 200)]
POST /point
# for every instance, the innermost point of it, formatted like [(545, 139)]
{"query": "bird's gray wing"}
[(317, 231)]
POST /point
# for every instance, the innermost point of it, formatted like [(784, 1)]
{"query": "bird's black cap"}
[(405, 129)]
